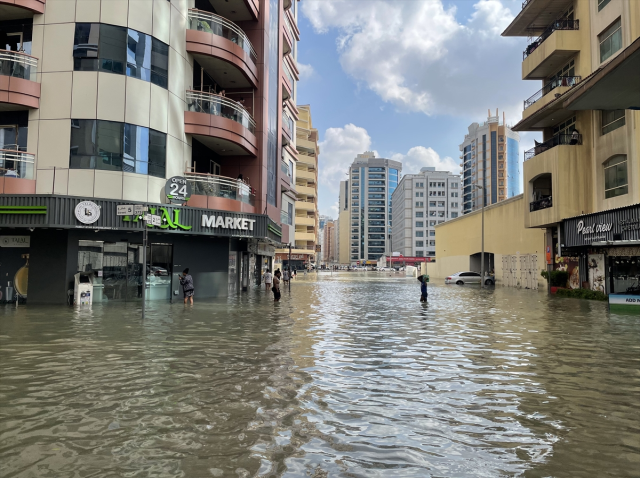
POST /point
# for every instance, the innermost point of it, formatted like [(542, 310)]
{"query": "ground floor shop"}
[(45, 241)]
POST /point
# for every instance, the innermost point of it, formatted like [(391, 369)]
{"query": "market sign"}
[(615, 226)]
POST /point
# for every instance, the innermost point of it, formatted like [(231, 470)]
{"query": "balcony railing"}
[(16, 164), (557, 140), (220, 187), (557, 25), (18, 65), (203, 21), (543, 203), (213, 104), (552, 85), (288, 73)]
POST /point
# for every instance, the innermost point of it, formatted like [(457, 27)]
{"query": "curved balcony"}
[(221, 124), (223, 50), (18, 87), (17, 172), (20, 9), (218, 192)]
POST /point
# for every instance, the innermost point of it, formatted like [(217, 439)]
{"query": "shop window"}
[(615, 176), (109, 145), (120, 50), (612, 119), (610, 40)]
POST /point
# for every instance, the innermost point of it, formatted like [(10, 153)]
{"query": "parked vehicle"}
[(462, 278)]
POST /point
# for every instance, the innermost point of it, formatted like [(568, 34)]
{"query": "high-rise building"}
[(490, 159), (109, 103), (328, 242), (582, 182), (344, 224), (373, 181), (420, 202)]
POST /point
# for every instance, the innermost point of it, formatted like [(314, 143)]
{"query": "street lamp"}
[(482, 253)]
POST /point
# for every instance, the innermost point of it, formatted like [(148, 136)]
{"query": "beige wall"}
[(505, 234), (70, 94)]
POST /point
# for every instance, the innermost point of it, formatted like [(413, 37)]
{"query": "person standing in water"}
[(268, 277), (276, 286), (423, 279), (187, 285)]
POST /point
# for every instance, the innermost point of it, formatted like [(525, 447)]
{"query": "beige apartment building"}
[(306, 220), (580, 208), (185, 107)]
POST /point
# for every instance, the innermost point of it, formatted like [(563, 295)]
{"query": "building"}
[(328, 242), (490, 160), (419, 203), (344, 224), (181, 107), (306, 220), (373, 181), (582, 182)]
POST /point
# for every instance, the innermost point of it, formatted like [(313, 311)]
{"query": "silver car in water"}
[(462, 278)]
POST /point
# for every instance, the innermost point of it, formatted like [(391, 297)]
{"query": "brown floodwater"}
[(348, 376)]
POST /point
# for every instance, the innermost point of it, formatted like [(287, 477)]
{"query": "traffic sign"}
[(125, 210)]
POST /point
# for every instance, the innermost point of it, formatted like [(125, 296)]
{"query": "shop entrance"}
[(117, 270)]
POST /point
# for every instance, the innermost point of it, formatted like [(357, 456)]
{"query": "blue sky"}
[(405, 78)]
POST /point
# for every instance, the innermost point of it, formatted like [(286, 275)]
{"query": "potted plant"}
[(557, 279)]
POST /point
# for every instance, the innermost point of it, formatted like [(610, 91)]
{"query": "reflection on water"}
[(348, 376)]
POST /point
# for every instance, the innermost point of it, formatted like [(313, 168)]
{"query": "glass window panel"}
[(138, 55), (85, 40), (83, 144), (136, 143), (113, 48), (159, 63), (109, 145)]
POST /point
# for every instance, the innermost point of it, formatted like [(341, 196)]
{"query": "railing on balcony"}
[(543, 203), (213, 104), (552, 85), (16, 164), (559, 139), (288, 73), (203, 21), (18, 65), (221, 187), (557, 25)]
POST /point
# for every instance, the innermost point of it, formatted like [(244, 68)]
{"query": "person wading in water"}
[(187, 285)]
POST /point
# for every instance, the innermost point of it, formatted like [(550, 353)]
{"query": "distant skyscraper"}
[(344, 224), (491, 160), (373, 181)]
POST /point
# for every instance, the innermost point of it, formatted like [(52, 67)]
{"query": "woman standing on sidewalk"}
[(276, 286)]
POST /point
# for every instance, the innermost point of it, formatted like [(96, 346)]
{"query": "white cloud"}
[(417, 56), (420, 157), (306, 71), (337, 151)]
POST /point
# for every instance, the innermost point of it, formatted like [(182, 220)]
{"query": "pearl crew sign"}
[(614, 226)]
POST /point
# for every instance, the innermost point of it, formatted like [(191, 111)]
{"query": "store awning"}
[(616, 86)]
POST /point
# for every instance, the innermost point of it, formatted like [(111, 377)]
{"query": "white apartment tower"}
[(419, 203), (373, 181)]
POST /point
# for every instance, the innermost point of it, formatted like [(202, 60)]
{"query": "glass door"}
[(114, 270), (134, 272), (159, 272)]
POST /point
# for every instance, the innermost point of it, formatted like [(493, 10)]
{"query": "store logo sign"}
[(168, 220), (593, 229), (87, 212), (239, 223)]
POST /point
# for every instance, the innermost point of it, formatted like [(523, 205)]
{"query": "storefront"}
[(46, 240), (604, 248)]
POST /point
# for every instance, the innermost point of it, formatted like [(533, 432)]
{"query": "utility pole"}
[(289, 267), (144, 267)]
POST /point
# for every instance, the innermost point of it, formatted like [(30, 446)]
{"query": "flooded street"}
[(348, 376)]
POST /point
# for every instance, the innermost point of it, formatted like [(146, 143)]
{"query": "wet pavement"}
[(348, 376)]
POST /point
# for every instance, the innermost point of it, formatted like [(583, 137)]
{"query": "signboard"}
[(615, 225), (87, 212), (156, 220), (124, 210), (318, 248), (15, 241), (139, 209), (178, 190), (549, 258), (624, 303)]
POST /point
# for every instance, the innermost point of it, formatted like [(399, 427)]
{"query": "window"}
[(454, 185), (610, 40), (419, 185), (432, 213), (102, 47), (419, 253), (432, 204), (432, 243), (432, 233), (419, 194), (419, 243), (454, 215), (419, 204), (440, 203), (108, 145), (419, 214), (602, 4), (419, 233), (432, 223), (454, 204), (612, 119), (454, 195), (440, 213), (565, 127), (615, 176), (419, 224)]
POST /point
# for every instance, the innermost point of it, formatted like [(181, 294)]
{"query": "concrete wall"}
[(458, 239)]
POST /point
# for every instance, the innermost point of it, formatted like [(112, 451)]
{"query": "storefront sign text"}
[(167, 221), (239, 223), (15, 241), (594, 229)]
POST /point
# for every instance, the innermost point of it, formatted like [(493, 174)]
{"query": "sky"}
[(405, 79)]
